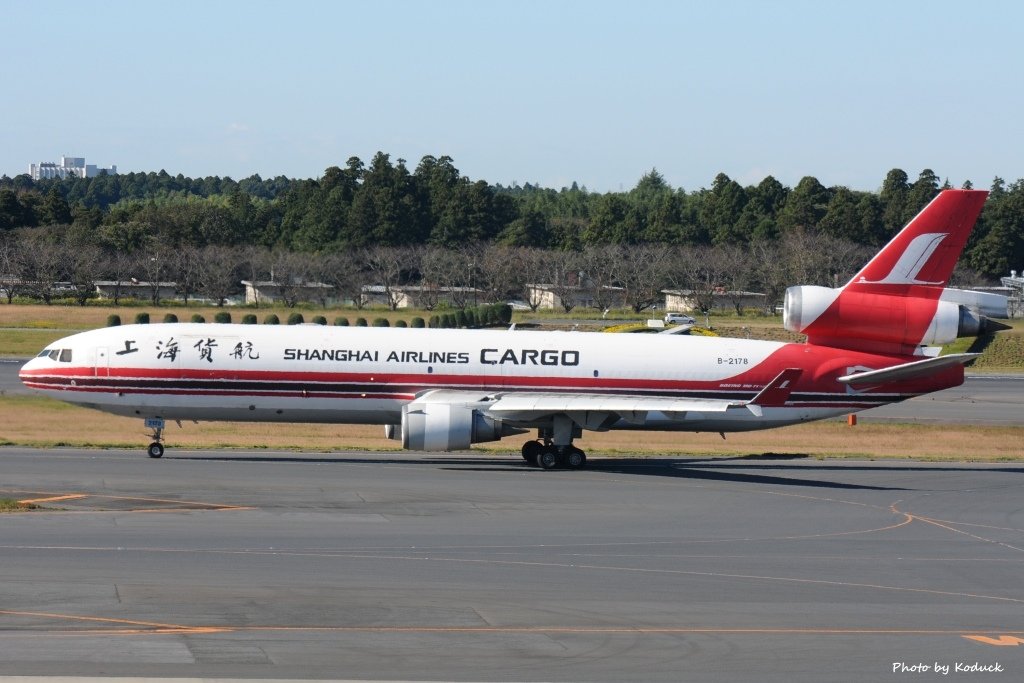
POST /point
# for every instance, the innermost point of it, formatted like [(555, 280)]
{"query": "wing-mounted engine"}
[(883, 320), (450, 421)]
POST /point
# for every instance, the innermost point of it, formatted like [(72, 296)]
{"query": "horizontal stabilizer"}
[(911, 370)]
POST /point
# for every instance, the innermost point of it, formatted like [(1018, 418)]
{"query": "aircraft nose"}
[(25, 373)]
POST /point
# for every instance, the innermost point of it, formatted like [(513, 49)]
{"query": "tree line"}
[(355, 213), (56, 263)]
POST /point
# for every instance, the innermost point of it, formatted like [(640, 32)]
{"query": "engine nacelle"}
[(439, 421), (984, 303), (823, 316)]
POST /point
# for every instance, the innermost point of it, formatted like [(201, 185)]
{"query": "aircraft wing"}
[(593, 410)]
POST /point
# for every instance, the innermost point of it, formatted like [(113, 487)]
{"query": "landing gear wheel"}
[(532, 449), (155, 450), (575, 458), (548, 459)]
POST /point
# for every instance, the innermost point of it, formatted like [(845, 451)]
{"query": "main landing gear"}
[(554, 446), (548, 456), (155, 449)]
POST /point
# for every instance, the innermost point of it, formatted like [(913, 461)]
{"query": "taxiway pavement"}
[(428, 567)]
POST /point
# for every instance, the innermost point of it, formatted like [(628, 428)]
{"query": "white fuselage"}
[(313, 373)]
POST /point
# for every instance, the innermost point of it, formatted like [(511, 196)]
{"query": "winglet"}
[(777, 392)]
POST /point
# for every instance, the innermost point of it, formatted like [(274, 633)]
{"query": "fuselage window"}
[(65, 355)]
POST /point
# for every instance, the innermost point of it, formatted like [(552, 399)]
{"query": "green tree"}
[(529, 230), (921, 192), (870, 215), (894, 197), (656, 210), (55, 209), (805, 206), (611, 222), (759, 218), (722, 208), (841, 218), (384, 211), (1001, 248), (12, 213)]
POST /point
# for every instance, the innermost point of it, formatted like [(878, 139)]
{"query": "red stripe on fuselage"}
[(823, 365)]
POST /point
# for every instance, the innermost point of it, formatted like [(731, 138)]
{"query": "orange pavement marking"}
[(51, 499), (1001, 641)]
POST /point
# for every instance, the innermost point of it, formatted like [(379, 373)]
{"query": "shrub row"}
[(481, 316)]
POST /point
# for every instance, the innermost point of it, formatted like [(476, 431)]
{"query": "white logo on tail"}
[(851, 369), (912, 261)]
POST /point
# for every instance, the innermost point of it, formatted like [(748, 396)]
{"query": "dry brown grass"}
[(27, 329), (90, 317), (38, 421)]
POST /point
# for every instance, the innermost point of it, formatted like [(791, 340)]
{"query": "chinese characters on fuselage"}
[(169, 350)]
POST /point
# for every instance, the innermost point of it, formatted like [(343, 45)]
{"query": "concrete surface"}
[(378, 566)]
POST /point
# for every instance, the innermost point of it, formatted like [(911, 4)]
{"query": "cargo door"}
[(101, 362)]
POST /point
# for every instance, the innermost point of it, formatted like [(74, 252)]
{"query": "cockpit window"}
[(44, 353), (65, 356), (54, 354)]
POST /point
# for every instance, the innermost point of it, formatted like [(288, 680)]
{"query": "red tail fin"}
[(921, 258), (892, 305)]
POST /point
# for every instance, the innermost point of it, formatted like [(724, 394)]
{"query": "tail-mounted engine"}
[(907, 321), (448, 421)]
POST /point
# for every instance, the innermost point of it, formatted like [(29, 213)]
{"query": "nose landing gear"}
[(155, 449)]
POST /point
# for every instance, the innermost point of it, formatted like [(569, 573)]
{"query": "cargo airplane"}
[(869, 343)]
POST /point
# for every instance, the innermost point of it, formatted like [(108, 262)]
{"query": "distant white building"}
[(133, 289), (415, 296), (270, 292), (68, 166), (687, 301), (547, 296)]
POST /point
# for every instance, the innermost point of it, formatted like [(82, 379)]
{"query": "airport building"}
[(1014, 286), (722, 299), (273, 292), (548, 296), (68, 166), (418, 296)]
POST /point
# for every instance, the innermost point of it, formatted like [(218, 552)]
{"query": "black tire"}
[(575, 458), (548, 459), (155, 450), (531, 449)]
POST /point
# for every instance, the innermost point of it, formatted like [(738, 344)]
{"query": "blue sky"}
[(543, 92)]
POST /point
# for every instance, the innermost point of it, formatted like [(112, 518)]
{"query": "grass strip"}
[(38, 421), (11, 505)]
